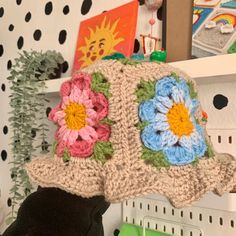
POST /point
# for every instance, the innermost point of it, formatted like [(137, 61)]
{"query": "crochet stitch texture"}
[(157, 140), (79, 118), (172, 126)]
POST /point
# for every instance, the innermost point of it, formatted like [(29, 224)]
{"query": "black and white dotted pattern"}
[(220, 101), (43, 25)]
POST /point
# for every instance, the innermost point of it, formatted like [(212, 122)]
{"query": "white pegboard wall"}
[(200, 221), (224, 140)]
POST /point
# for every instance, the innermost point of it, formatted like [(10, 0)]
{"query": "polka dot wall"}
[(25, 25)]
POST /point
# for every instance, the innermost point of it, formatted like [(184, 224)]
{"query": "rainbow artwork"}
[(225, 18)]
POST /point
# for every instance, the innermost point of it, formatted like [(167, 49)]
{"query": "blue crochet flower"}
[(172, 127)]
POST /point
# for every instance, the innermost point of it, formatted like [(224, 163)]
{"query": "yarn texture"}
[(78, 115), (172, 126), (133, 129)]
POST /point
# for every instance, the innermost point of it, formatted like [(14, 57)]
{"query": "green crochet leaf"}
[(145, 91), (100, 84), (209, 152), (197, 121), (102, 151), (128, 61), (195, 162), (175, 76), (192, 92), (66, 155), (54, 146), (156, 159), (141, 125), (107, 121)]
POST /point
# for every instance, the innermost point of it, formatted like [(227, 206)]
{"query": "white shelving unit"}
[(213, 215)]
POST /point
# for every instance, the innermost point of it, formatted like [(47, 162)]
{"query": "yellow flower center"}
[(179, 120), (75, 116)]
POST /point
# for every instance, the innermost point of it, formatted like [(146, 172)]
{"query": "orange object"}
[(104, 34), (204, 115)]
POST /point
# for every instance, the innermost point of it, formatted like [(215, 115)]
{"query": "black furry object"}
[(53, 212)]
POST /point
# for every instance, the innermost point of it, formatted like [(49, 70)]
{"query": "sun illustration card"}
[(109, 32)]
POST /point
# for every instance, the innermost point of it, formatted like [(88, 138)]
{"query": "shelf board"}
[(203, 70), (53, 86), (210, 69)]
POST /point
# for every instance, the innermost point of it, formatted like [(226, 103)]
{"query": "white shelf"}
[(210, 68), (53, 86), (203, 70)]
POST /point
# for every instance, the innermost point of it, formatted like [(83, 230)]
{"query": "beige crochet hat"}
[(127, 129)]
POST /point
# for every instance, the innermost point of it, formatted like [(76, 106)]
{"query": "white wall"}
[(12, 15)]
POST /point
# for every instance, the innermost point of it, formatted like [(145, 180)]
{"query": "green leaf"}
[(54, 146), (176, 77), (192, 92), (102, 151), (157, 159), (209, 152), (195, 162), (128, 61), (66, 155), (141, 125), (145, 90), (100, 84), (197, 121), (107, 121)]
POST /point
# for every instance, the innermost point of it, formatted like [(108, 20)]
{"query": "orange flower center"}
[(75, 116), (179, 120)]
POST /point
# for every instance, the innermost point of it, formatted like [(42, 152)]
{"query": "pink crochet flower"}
[(65, 89), (100, 105), (82, 81), (60, 148), (81, 148), (78, 116), (103, 132), (51, 115)]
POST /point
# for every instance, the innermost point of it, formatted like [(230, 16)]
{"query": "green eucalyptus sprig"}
[(27, 100)]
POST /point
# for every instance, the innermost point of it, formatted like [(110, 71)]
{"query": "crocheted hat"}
[(130, 128)]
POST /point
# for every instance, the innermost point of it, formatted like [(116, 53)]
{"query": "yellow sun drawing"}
[(101, 42)]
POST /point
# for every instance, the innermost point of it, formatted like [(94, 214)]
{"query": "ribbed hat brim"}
[(182, 185), (82, 177)]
